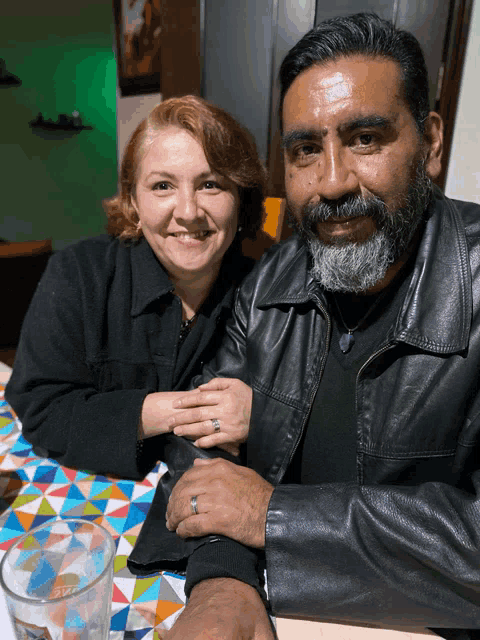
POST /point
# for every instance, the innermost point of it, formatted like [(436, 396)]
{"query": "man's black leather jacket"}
[(402, 544)]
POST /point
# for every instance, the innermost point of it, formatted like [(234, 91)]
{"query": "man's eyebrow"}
[(362, 122), (288, 139), (365, 122)]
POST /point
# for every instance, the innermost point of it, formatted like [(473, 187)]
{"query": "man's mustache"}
[(348, 207)]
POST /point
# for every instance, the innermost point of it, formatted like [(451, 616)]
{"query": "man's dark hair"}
[(362, 34)]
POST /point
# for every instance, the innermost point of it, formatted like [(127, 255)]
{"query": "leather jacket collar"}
[(440, 287)]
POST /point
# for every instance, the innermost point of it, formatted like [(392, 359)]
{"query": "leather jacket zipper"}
[(315, 387), (386, 347)]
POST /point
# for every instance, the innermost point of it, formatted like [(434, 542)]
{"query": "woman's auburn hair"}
[(229, 149)]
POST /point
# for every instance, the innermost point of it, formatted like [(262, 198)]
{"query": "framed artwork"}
[(138, 36)]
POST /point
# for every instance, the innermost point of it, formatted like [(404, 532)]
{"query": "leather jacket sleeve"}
[(396, 555)]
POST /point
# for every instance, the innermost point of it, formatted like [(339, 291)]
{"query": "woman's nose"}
[(187, 209)]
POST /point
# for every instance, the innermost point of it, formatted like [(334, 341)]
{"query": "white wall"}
[(130, 112), (463, 175)]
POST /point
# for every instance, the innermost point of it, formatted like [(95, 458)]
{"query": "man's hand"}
[(222, 609), (230, 500), (226, 400)]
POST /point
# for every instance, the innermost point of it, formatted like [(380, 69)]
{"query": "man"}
[(360, 337)]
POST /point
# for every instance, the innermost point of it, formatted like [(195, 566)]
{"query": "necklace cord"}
[(347, 339)]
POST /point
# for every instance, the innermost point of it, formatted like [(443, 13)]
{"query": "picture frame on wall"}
[(138, 25)]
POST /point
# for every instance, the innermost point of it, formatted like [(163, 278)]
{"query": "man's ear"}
[(433, 144)]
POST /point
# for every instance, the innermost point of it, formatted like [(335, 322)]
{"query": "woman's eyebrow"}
[(172, 176)]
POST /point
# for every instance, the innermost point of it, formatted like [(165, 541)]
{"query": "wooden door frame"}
[(451, 71)]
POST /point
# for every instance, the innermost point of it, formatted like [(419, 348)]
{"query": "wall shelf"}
[(53, 126), (8, 79), (64, 127)]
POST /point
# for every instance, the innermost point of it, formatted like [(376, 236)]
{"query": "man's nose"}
[(337, 177)]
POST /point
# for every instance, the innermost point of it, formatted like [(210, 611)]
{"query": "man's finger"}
[(205, 462), (182, 508), (194, 526)]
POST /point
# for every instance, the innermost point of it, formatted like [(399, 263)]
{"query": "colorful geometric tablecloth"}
[(34, 490)]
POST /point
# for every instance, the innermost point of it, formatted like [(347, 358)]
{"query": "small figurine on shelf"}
[(77, 120), (65, 125)]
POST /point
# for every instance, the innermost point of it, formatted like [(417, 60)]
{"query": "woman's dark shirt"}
[(102, 333)]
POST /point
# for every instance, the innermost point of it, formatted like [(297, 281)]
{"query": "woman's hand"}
[(193, 414), (225, 402), (156, 410)]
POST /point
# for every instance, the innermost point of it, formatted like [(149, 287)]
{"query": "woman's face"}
[(188, 213)]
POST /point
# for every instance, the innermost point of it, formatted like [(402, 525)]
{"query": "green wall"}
[(62, 51)]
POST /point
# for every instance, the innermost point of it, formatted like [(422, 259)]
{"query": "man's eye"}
[(304, 153), (305, 150), (366, 139)]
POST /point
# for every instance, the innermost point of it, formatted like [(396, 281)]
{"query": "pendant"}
[(346, 342)]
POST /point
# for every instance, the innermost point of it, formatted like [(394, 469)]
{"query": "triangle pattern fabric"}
[(36, 490)]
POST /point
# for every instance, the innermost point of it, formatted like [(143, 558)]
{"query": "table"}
[(34, 490)]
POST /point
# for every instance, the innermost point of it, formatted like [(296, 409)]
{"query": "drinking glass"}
[(57, 581)]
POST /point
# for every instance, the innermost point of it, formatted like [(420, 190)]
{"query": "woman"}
[(118, 322)]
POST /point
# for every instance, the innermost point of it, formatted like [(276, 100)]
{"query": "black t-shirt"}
[(327, 451)]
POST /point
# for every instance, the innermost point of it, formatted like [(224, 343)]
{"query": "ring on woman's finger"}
[(216, 425), (193, 504)]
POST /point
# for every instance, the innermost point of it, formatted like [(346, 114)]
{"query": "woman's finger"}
[(199, 415), (216, 384), (189, 416), (198, 399), (195, 429), (215, 440)]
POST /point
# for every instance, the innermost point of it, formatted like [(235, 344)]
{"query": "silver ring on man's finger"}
[(193, 504), (216, 425)]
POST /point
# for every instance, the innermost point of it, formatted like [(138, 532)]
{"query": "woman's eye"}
[(161, 186), (211, 184)]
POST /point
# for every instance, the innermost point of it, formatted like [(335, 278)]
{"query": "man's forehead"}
[(347, 88), (365, 66)]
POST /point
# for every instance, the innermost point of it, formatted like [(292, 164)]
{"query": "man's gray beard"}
[(356, 267)]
